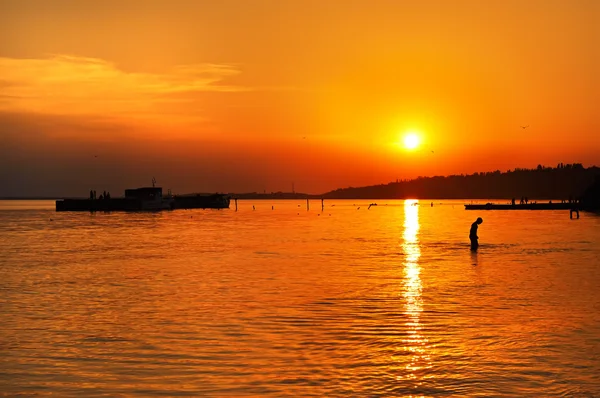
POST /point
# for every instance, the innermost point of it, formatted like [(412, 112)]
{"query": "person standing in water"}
[(473, 233)]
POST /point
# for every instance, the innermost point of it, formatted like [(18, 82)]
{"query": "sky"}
[(263, 95)]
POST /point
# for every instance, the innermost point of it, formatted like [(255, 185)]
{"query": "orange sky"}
[(252, 95)]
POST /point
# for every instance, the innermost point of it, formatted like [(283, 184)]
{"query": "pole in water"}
[(307, 206), (322, 204), (235, 204)]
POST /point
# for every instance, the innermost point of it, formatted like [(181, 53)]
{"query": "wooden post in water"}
[(576, 211), (307, 206), (322, 204), (235, 204)]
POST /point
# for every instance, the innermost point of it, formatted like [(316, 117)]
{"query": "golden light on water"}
[(415, 342), (366, 302)]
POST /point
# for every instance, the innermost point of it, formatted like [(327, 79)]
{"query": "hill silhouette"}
[(561, 182)]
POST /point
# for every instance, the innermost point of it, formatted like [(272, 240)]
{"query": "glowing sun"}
[(411, 141)]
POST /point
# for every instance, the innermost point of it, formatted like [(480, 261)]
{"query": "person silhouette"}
[(473, 234)]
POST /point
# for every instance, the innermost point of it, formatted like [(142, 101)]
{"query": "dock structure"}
[(113, 204), (214, 201), (144, 199), (528, 206), (588, 201)]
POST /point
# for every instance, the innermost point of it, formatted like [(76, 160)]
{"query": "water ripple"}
[(382, 303)]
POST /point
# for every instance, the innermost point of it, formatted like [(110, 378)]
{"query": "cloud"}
[(70, 85)]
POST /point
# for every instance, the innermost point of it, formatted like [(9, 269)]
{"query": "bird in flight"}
[(524, 127)]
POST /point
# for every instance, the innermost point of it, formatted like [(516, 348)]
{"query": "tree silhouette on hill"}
[(561, 182)]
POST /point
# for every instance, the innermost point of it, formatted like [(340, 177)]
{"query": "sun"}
[(411, 141)]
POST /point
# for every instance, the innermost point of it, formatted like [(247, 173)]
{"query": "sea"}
[(343, 299)]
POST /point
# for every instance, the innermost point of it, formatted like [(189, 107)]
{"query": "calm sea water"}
[(387, 301)]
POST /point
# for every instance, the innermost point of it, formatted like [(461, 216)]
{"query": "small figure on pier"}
[(513, 201), (91, 194), (473, 234)]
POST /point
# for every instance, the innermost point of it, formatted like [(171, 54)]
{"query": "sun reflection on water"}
[(415, 343)]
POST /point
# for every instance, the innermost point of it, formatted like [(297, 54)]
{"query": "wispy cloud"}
[(70, 85)]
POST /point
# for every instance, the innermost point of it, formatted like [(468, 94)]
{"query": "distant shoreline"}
[(309, 197), (564, 182)]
